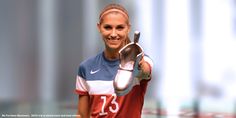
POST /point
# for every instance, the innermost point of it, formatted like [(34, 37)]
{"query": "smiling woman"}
[(114, 31), (114, 27), (94, 82)]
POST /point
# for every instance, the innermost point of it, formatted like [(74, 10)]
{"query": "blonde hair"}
[(114, 8)]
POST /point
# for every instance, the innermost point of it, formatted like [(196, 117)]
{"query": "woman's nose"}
[(113, 34)]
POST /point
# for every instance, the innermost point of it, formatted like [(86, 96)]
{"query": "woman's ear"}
[(98, 26), (129, 28)]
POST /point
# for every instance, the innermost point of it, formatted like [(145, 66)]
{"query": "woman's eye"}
[(120, 27), (107, 27)]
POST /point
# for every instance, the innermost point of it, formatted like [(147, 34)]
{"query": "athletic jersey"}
[(95, 78)]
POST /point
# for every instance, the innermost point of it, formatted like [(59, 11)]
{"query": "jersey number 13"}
[(113, 103)]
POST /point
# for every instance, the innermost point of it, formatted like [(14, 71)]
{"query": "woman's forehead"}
[(114, 17)]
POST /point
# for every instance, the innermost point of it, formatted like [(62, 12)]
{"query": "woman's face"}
[(114, 29)]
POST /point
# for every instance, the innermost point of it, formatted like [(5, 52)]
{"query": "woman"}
[(94, 82)]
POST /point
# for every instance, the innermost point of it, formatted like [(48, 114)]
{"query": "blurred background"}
[(192, 44)]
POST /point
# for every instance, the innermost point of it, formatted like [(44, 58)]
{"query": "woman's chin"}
[(115, 47)]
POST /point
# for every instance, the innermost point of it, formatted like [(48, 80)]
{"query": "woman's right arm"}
[(83, 106)]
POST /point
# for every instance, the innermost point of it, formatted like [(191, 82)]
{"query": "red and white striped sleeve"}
[(81, 86)]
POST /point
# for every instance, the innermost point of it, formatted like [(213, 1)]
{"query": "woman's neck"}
[(111, 55)]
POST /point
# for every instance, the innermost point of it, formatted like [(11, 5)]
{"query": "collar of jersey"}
[(110, 62)]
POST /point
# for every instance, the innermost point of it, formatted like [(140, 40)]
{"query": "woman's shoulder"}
[(148, 59), (86, 65)]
